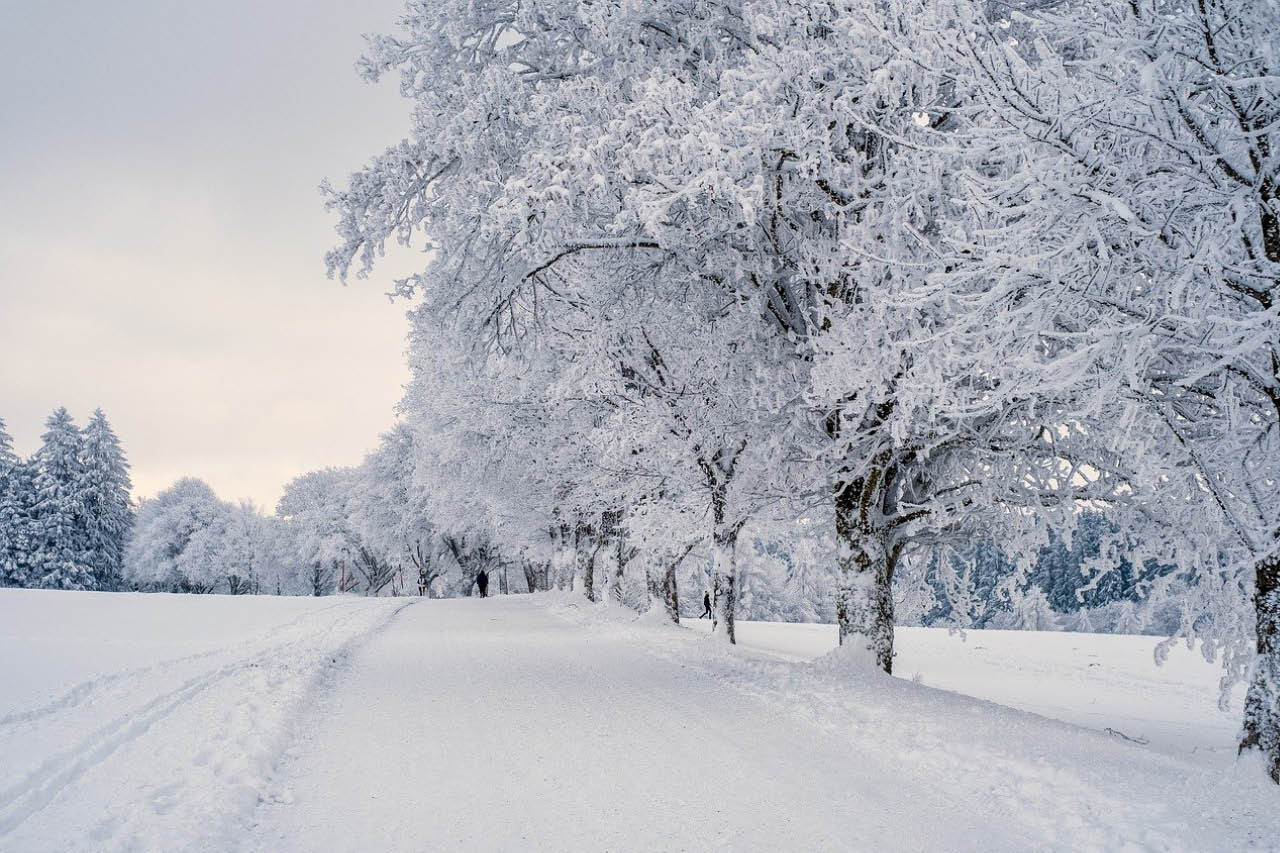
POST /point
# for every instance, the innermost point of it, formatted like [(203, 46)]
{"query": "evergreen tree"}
[(9, 514), (8, 459), (17, 517), (61, 559), (108, 511)]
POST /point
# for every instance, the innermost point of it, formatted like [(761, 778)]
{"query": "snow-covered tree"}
[(14, 501), (315, 506), (1029, 610), (241, 549), (922, 273), (18, 515), (745, 228), (61, 557), (1152, 187), (108, 508), (8, 459), (389, 513), (173, 545)]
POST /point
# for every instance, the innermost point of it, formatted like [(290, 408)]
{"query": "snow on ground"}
[(172, 723), (133, 721), (1098, 681)]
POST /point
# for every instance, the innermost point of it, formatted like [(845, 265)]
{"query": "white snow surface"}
[(1098, 681), (132, 722), (151, 722)]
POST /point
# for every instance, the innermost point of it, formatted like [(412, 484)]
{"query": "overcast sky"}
[(161, 234)]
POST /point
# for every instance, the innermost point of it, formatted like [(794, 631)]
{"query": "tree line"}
[(65, 512), (886, 278)]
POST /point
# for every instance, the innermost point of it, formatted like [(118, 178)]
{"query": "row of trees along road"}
[(362, 529), (909, 271)]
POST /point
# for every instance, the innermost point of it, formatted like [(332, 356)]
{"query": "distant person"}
[(422, 581), (482, 581), (706, 606)]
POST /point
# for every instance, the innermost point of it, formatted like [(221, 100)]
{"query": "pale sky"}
[(161, 234)]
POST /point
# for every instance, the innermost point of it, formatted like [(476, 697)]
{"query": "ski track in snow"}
[(186, 737), (94, 687), (540, 722)]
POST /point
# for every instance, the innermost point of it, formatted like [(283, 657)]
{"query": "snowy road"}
[(499, 725)]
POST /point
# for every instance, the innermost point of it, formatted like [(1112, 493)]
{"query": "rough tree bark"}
[(864, 598), (664, 588), (611, 533), (560, 558), (585, 554), (724, 592), (724, 579), (319, 580), (719, 471), (670, 593), (619, 568), (1262, 702)]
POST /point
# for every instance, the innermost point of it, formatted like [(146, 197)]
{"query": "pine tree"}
[(10, 517), (17, 516), (61, 553), (108, 511), (8, 459)]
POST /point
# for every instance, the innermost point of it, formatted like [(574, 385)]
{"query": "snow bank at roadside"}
[(130, 721), (1099, 681), (1079, 789)]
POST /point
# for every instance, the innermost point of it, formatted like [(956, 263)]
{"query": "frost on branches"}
[(916, 273), (1154, 184)]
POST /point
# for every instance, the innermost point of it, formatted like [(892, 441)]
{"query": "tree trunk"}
[(530, 574), (562, 560), (864, 598), (1262, 702), (619, 569), (585, 553), (558, 568), (670, 596), (724, 592), (653, 588), (588, 560)]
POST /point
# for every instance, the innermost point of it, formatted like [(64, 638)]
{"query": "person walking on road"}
[(482, 581), (706, 606), (422, 581)]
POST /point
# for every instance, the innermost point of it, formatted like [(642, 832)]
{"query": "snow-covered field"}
[(1098, 681), (204, 722), (150, 721)]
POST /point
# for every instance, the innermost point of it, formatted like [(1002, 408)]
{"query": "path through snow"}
[(527, 723)]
